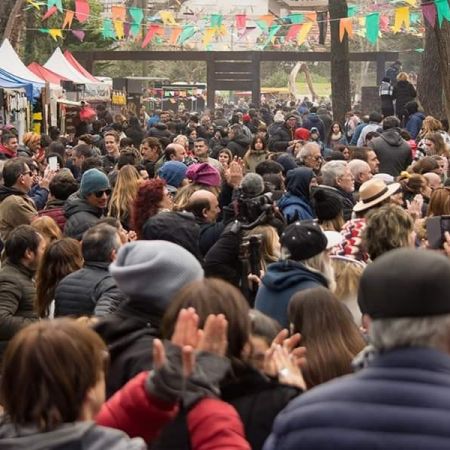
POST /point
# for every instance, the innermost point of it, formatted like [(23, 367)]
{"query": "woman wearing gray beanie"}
[(149, 273)]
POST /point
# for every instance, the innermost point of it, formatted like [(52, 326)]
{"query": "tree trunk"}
[(443, 46), (429, 81), (340, 63)]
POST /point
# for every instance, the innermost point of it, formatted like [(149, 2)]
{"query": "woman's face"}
[(336, 128), (224, 158), (429, 147), (259, 145), (167, 201), (193, 134), (313, 183), (346, 153)]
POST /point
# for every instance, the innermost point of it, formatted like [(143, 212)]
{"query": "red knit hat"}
[(302, 134)]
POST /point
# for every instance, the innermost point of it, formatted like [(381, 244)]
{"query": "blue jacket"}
[(295, 208), (314, 121), (282, 280), (414, 123), (401, 401)]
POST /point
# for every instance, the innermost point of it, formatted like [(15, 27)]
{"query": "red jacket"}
[(7, 152), (57, 214), (212, 423)]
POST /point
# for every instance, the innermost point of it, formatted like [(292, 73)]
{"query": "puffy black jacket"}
[(400, 401), (80, 216), (239, 145), (17, 296), (280, 138), (404, 92), (88, 291), (159, 130)]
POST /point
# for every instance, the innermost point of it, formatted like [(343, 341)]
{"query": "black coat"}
[(279, 140), (129, 336), (88, 291), (160, 130), (404, 92), (239, 145), (80, 216)]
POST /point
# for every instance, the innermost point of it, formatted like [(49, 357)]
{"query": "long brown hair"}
[(59, 260), (48, 368), (328, 332), (439, 202), (213, 296)]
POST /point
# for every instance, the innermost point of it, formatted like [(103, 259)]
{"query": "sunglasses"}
[(99, 194)]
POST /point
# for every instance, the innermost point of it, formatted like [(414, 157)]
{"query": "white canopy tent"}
[(59, 64), (10, 62)]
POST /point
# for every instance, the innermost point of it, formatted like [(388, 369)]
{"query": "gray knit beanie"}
[(93, 180), (150, 273)]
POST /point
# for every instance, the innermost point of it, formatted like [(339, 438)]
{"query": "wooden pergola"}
[(231, 70)]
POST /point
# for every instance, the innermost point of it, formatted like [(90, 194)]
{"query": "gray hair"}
[(430, 331), (306, 150), (357, 166), (331, 171)]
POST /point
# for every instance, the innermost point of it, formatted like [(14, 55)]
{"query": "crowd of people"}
[(206, 280)]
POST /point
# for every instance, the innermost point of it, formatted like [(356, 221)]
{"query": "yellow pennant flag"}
[(401, 19), (119, 29), (411, 2), (303, 33), (167, 18), (208, 35), (55, 33), (345, 26), (68, 19)]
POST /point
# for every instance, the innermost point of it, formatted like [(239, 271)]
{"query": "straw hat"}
[(373, 192)]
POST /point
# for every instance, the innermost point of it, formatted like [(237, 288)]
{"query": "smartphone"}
[(53, 163), (436, 227)]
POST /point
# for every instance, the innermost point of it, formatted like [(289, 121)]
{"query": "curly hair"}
[(147, 202), (387, 228)]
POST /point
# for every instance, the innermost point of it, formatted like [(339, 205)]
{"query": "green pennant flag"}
[(216, 20), (137, 14), (415, 18), (108, 29), (57, 3), (296, 19), (273, 30), (352, 10), (187, 33), (443, 10), (262, 24), (372, 27)]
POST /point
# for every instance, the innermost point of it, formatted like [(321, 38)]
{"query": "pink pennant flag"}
[(241, 22), (293, 32), (384, 23), (152, 31), (82, 10), (429, 12), (79, 34), (50, 12)]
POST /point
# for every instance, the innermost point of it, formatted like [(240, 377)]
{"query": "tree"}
[(436, 67), (340, 62)]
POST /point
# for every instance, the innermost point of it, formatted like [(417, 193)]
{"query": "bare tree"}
[(340, 62)]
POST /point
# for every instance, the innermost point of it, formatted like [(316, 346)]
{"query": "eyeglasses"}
[(316, 158), (99, 194), (28, 173)]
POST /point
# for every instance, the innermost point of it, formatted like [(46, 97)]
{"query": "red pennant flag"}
[(50, 12), (82, 10), (241, 22), (152, 31), (293, 32)]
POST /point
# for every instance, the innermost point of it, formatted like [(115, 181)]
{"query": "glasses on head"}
[(99, 194)]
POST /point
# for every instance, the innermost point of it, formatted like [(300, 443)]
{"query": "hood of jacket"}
[(285, 274), (160, 126), (75, 204), (298, 181), (7, 191), (290, 199), (392, 137), (242, 140)]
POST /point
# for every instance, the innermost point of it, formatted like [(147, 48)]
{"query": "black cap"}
[(304, 240), (406, 283)]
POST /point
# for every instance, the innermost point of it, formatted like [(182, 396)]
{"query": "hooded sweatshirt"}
[(393, 152), (282, 280), (295, 204), (78, 435)]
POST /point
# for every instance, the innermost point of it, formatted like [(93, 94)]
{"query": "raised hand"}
[(214, 339), (186, 330)]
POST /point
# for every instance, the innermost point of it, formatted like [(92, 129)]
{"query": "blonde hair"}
[(429, 125), (402, 76), (270, 253), (31, 138), (347, 273), (48, 228), (124, 192)]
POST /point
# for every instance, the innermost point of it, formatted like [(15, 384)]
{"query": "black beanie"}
[(326, 204)]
